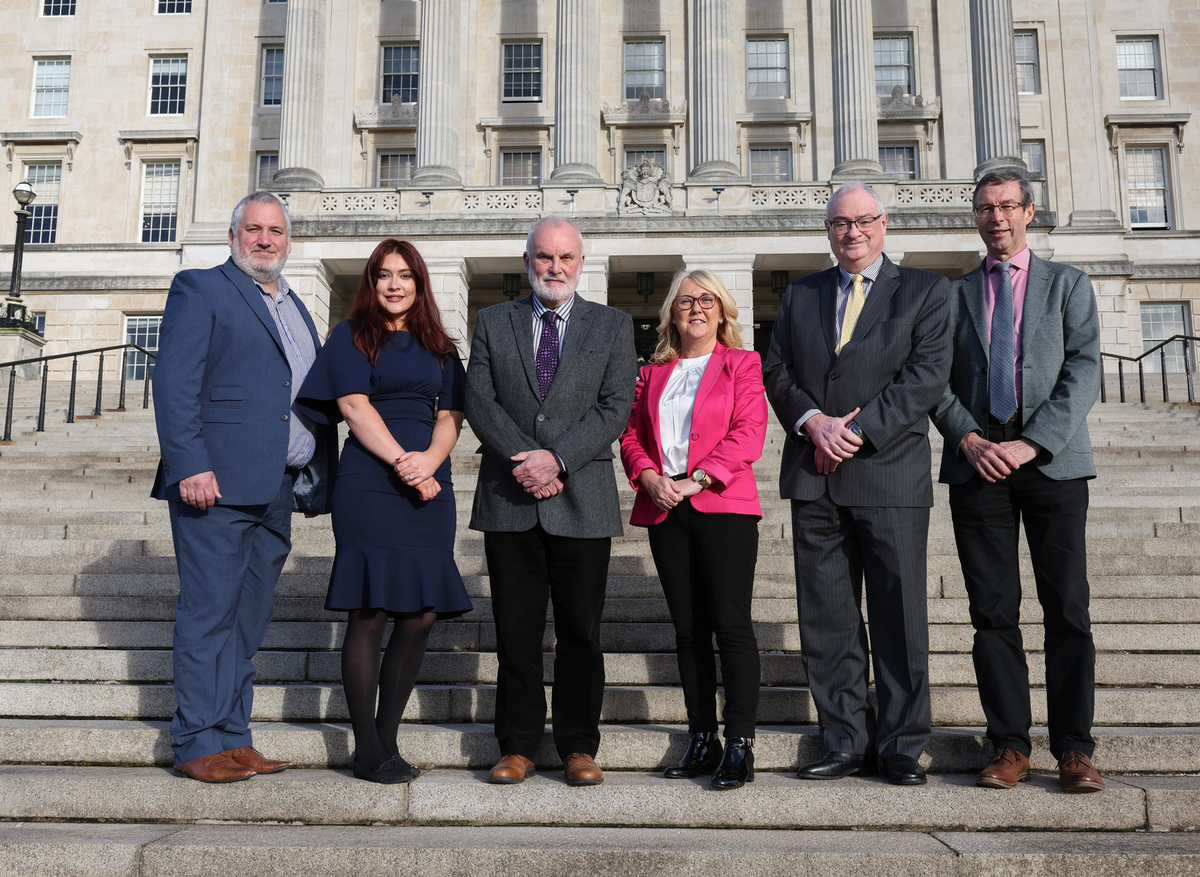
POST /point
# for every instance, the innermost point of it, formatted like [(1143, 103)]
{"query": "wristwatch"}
[(701, 478), (855, 428)]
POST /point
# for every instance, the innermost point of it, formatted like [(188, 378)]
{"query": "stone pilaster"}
[(437, 95), (301, 120), (737, 273), (994, 83), (714, 129), (593, 279), (311, 280), (576, 110), (449, 281), (855, 106)]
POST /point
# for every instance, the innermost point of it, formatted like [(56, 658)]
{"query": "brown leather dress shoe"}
[(582, 770), (1077, 774), (511, 769), (215, 768), (1007, 768), (249, 757)]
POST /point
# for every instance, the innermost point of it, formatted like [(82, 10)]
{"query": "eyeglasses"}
[(684, 302), (1007, 209), (841, 226)]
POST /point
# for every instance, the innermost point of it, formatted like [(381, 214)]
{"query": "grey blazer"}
[(894, 367), (1060, 370), (585, 411)]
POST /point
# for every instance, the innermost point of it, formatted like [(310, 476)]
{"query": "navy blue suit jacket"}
[(222, 394)]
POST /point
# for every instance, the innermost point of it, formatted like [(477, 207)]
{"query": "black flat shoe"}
[(833, 766), (702, 756), (394, 770), (903, 770), (737, 766)]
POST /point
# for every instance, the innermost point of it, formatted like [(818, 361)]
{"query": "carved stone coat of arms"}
[(645, 190)]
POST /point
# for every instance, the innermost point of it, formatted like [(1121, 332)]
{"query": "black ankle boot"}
[(737, 767), (703, 754)]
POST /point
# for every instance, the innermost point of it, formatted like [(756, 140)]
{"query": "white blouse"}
[(675, 413)]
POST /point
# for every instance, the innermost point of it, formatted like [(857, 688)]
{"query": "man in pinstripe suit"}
[(859, 355)]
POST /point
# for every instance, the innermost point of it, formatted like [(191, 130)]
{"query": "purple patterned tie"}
[(546, 362)]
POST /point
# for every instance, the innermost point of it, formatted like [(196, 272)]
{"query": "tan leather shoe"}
[(511, 769), (215, 768), (1007, 768), (582, 770), (1077, 774), (249, 757)]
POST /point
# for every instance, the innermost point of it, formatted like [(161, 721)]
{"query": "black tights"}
[(363, 679)]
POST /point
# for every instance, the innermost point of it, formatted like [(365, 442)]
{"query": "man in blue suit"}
[(237, 459)]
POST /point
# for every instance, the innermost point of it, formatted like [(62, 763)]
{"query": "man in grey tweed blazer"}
[(859, 356), (549, 388)]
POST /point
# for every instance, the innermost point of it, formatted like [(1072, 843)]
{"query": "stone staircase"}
[(87, 590)]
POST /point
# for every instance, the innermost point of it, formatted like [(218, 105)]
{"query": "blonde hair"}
[(729, 333)]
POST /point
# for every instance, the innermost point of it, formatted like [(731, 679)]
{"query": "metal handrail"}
[(1160, 348), (74, 355)]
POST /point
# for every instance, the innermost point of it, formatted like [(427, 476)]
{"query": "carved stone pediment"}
[(645, 111), (645, 190), (909, 106), (390, 115)]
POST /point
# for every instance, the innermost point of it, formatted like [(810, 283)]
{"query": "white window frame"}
[(137, 359), (1164, 151), (633, 153), (42, 201), (1159, 78), (915, 150), (1036, 63), (387, 153), (142, 204), (158, 11), (259, 183), (625, 70), (1186, 349), (1039, 180), (42, 13), (908, 37), (383, 49), (150, 90), (786, 82), (786, 148), (33, 103), (539, 71), (263, 76), (531, 150)]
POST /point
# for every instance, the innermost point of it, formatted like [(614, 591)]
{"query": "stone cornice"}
[(7, 137), (35, 282)]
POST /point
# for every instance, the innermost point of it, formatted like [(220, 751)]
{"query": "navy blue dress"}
[(394, 550)]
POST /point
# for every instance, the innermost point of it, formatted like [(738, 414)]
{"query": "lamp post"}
[(15, 310)]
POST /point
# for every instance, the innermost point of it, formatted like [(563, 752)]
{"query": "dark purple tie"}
[(546, 362)]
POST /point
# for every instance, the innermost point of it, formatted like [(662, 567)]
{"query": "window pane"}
[(1160, 322), (51, 83), (893, 65), (767, 68), (1146, 171), (168, 86), (160, 201), (1028, 79), (58, 7), (523, 71), (395, 168), (1137, 68), (43, 221), (656, 154), (771, 164), (142, 331), (899, 161), (520, 168), (172, 7), (400, 69), (1033, 153), (272, 90), (645, 69), (268, 166)]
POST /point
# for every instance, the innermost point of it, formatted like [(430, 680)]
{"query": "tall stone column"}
[(714, 129), (301, 120), (437, 95), (736, 271), (576, 111), (855, 106), (994, 83)]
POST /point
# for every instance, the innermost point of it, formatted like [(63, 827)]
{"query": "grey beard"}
[(543, 291), (263, 274)]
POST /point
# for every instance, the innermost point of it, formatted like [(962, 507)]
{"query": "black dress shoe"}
[(737, 766), (702, 756), (394, 770), (903, 770), (833, 766)]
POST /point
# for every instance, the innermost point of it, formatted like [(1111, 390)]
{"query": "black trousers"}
[(706, 565), (986, 518), (527, 570)]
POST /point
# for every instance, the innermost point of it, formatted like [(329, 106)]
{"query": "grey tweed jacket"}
[(584, 412)]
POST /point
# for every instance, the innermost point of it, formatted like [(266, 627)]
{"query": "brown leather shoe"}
[(1007, 768), (1077, 774), (215, 768), (511, 769), (249, 757), (582, 770)]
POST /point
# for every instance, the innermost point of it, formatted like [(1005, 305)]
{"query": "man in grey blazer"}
[(549, 388), (859, 356), (1026, 371)]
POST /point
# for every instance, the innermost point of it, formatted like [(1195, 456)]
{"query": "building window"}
[(1146, 173), (1160, 322), (401, 65), (767, 68), (523, 71), (58, 7), (51, 84), (174, 7), (38, 318), (899, 162), (1025, 44), (160, 201), (521, 168), (1033, 153), (268, 166), (1137, 68), (272, 77), (142, 331), (43, 221), (656, 155), (770, 164), (395, 168), (168, 86), (893, 65), (645, 69)]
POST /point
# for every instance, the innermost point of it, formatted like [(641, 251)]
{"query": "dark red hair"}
[(369, 324)]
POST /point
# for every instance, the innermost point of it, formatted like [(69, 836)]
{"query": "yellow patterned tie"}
[(854, 306)]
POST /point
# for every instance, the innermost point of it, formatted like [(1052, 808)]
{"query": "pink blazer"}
[(729, 429)]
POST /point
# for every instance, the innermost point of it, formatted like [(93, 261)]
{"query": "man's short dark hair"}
[(1001, 176)]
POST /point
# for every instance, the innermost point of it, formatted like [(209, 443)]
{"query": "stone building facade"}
[(678, 133)]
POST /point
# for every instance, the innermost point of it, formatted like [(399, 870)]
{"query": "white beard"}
[(267, 273), (546, 292)]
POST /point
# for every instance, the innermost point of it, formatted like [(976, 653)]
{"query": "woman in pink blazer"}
[(699, 421)]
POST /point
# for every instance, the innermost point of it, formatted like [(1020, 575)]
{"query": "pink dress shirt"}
[(1019, 272)]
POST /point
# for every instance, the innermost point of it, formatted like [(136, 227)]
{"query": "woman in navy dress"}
[(391, 371)]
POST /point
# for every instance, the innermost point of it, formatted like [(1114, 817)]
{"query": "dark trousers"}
[(706, 565), (836, 549), (527, 570), (986, 518), (229, 559)]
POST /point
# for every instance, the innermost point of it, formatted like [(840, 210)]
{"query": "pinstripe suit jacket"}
[(894, 368)]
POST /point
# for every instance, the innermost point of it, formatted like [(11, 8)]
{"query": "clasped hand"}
[(537, 472), (416, 469), (831, 439), (664, 492), (995, 461)]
